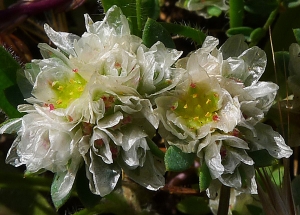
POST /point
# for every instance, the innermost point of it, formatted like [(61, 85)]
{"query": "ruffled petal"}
[(65, 180), (62, 40), (150, 175), (103, 177), (270, 140)]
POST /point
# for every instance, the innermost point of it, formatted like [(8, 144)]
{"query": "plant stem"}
[(224, 200), (236, 13), (139, 15)]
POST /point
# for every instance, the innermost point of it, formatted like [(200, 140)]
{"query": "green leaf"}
[(154, 149), (149, 9), (257, 34), (178, 161), (297, 34), (9, 67), (246, 31), (7, 108), (87, 198), (214, 11), (14, 95), (186, 31), (204, 177), (154, 32), (194, 205), (262, 158)]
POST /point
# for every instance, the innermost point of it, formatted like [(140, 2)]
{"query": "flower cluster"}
[(98, 99), (91, 102), (216, 112)]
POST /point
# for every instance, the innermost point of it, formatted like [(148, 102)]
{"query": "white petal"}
[(234, 46), (114, 19), (62, 40), (256, 61), (150, 175), (102, 150), (103, 177), (270, 140), (213, 160), (66, 179), (10, 126)]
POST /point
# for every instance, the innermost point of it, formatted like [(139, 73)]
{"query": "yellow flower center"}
[(68, 90), (198, 106)]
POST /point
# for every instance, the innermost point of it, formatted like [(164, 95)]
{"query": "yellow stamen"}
[(54, 83), (208, 114), (59, 101), (208, 101), (185, 106), (195, 95)]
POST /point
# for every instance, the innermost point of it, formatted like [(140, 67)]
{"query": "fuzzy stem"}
[(224, 200), (236, 13)]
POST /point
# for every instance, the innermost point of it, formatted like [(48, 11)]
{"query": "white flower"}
[(91, 103), (198, 106), (45, 141), (216, 111)]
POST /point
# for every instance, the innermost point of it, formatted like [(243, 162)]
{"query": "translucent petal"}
[(255, 64), (49, 52), (213, 160), (31, 71), (270, 140), (230, 140), (151, 175), (11, 126), (131, 134), (241, 155), (113, 19), (66, 179), (136, 155), (12, 157), (62, 40), (100, 145), (236, 41), (231, 180), (209, 44), (103, 177)]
